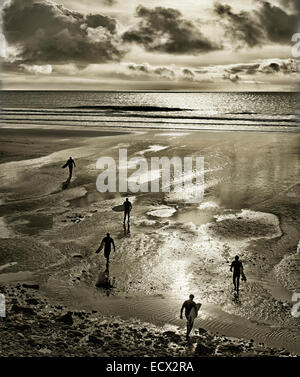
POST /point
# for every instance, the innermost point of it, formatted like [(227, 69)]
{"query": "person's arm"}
[(74, 164), (112, 241), (231, 266), (242, 268), (130, 207), (181, 310)]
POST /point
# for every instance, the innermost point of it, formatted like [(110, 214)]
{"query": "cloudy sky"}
[(202, 45)]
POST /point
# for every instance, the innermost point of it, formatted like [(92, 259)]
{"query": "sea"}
[(250, 111)]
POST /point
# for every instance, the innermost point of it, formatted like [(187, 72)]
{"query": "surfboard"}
[(194, 312), (119, 208)]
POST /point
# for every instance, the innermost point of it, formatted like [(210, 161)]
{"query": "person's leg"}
[(237, 283), (124, 217), (234, 282), (189, 326), (70, 173), (107, 260)]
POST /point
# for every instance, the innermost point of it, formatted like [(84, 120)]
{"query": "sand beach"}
[(49, 235)]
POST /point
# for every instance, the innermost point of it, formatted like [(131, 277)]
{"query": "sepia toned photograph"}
[(150, 181)]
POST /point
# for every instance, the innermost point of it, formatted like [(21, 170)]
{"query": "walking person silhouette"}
[(127, 209), (70, 163), (187, 306), (106, 242), (238, 270)]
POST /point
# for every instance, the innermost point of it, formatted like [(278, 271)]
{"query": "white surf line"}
[(152, 148), (4, 266)]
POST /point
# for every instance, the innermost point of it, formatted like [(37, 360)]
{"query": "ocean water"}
[(260, 111)]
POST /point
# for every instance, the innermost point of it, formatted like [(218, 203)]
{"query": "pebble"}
[(67, 319)]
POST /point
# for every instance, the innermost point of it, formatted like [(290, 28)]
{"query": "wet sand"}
[(250, 208)]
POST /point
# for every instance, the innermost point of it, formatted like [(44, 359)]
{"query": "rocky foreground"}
[(34, 327)]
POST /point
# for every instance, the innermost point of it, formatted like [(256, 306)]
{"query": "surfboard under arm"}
[(194, 312)]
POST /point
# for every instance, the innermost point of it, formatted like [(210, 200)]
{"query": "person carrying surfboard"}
[(238, 270), (191, 312), (127, 208), (106, 242), (70, 163)]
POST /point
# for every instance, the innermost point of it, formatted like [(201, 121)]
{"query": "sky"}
[(174, 45)]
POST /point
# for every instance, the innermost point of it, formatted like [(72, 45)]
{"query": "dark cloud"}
[(267, 23), (165, 30), (291, 4), (241, 26), (110, 3), (96, 20), (278, 25), (46, 32)]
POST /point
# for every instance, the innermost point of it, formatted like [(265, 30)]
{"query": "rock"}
[(61, 345), (33, 340), (98, 333), (203, 349), (230, 348), (24, 310), (67, 319), (285, 353), (45, 351), (202, 331), (22, 327), (31, 286), (169, 333), (75, 334), (148, 342), (32, 301), (78, 256), (95, 340)]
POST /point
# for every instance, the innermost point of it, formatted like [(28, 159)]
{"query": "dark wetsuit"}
[(237, 270), (70, 164), (188, 305), (127, 209), (107, 241)]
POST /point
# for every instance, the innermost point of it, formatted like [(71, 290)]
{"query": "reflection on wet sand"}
[(164, 255), (104, 281)]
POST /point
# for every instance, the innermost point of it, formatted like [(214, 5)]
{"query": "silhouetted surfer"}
[(188, 305), (237, 267), (127, 209), (70, 163), (106, 242)]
